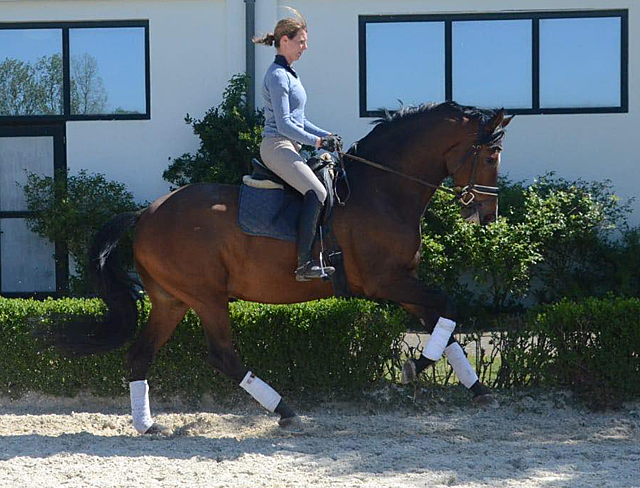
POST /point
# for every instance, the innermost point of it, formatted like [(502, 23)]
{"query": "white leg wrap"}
[(439, 338), (460, 364), (263, 393), (139, 393)]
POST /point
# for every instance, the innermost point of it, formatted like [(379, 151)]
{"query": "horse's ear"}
[(506, 121), (494, 123)]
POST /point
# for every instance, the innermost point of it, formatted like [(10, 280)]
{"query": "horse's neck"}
[(416, 156)]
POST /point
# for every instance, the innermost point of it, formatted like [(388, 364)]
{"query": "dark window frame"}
[(66, 73), (535, 17), (61, 254)]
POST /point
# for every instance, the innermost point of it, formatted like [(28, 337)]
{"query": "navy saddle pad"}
[(269, 212)]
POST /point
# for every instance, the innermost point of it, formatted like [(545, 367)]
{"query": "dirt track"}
[(523, 442)]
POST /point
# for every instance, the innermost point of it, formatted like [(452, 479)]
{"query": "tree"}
[(18, 88), (88, 95), (48, 80), (36, 88)]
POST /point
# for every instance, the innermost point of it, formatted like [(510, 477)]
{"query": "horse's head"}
[(474, 169)]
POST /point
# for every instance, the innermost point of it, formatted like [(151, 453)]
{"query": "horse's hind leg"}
[(223, 356), (166, 313), (453, 352)]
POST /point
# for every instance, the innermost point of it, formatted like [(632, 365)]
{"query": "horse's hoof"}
[(409, 372), (157, 429), (292, 424), (484, 400)]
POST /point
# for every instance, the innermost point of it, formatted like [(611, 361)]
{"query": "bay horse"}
[(190, 252)]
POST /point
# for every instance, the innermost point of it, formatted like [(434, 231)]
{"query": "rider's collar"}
[(282, 61)]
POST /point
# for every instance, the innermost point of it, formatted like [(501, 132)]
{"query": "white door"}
[(29, 264)]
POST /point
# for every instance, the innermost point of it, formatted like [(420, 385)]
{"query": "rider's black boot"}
[(307, 227)]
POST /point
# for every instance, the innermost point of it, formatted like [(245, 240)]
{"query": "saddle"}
[(324, 167), (269, 207)]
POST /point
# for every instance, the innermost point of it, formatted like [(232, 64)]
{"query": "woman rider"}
[(286, 129)]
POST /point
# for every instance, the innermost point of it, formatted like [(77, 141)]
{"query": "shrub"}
[(230, 137), (591, 347), (553, 239), (328, 344), (70, 209)]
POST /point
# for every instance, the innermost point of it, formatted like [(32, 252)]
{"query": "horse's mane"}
[(391, 120)]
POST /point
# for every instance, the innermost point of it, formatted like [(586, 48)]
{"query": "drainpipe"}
[(250, 28)]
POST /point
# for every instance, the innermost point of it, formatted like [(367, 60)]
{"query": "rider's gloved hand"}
[(331, 143)]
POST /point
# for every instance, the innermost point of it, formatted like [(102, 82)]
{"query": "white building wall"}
[(196, 45), (188, 72), (589, 146)]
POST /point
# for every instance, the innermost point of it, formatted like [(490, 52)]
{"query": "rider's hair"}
[(285, 27)]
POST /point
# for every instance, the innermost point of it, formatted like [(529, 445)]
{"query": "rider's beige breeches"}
[(282, 156)]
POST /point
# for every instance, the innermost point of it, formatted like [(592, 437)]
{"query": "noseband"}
[(465, 194)]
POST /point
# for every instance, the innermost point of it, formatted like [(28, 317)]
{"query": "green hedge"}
[(591, 347), (317, 345)]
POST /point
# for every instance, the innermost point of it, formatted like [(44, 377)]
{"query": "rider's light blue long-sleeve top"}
[(285, 99)]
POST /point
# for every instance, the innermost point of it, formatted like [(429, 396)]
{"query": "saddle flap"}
[(261, 172)]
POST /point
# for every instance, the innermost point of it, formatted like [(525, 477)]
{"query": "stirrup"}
[(310, 271)]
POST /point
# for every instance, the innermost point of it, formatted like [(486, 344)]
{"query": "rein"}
[(460, 192)]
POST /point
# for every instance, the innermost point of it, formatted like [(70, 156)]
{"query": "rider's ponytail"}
[(268, 39), (285, 27)]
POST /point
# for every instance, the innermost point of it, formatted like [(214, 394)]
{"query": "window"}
[(584, 54), (74, 71), (423, 44), (528, 63), (31, 72), (486, 73)]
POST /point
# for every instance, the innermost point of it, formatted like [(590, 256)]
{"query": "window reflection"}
[(492, 63), (31, 72), (405, 63), (107, 70), (580, 62)]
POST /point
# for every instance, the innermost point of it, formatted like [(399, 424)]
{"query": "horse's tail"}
[(81, 336)]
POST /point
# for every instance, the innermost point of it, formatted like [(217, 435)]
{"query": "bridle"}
[(465, 194)]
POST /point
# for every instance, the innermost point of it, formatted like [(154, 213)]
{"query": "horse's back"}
[(190, 240)]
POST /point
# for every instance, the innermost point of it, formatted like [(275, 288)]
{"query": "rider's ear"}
[(494, 123)]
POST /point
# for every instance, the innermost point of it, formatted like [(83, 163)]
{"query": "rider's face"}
[(293, 48)]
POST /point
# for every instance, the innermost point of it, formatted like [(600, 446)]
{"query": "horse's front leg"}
[(436, 312), (455, 354)]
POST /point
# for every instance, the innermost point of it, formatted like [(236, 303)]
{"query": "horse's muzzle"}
[(476, 215)]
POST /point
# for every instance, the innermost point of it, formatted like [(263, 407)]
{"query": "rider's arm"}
[(278, 85), (315, 130)]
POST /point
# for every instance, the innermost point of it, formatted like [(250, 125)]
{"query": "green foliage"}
[(591, 347), (553, 239), (70, 209), (476, 265), (319, 345), (35, 88), (230, 137), (31, 88)]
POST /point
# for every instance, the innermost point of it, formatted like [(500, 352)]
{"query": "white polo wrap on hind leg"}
[(140, 410), (263, 393), (460, 364), (439, 339)]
